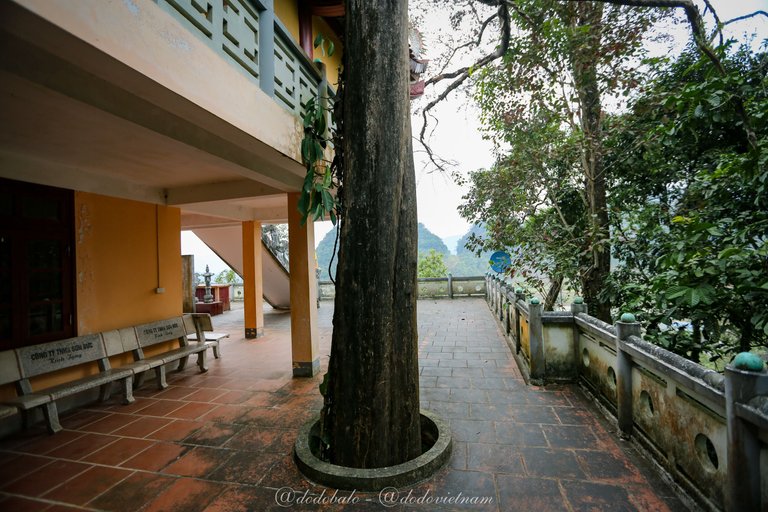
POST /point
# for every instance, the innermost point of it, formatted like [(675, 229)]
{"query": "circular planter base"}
[(433, 429)]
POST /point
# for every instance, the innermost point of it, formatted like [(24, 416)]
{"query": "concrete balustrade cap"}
[(628, 318), (748, 361)]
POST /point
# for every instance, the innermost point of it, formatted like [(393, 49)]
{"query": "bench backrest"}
[(163, 330), (120, 341), (9, 367), (57, 355), (201, 319)]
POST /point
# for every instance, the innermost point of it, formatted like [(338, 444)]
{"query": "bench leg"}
[(160, 372), (183, 362), (26, 419), (138, 380), (216, 350), (52, 417), (201, 362), (105, 391), (128, 391)]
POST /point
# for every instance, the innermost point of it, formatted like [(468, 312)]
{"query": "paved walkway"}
[(222, 441)]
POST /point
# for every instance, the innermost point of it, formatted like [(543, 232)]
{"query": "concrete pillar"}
[(188, 283), (450, 285), (625, 328), (267, 48), (577, 307), (301, 250), (536, 338), (743, 478), (252, 280), (519, 295)]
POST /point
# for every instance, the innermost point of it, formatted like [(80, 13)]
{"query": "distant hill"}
[(450, 242), (427, 240), (476, 230), (324, 251), (463, 263)]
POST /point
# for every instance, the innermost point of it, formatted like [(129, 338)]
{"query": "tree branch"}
[(700, 38), (746, 17), (718, 24), (462, 74), (443, 76)]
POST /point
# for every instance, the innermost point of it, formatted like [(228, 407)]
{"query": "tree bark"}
[(371, 417), (583, 62), (556, 283)]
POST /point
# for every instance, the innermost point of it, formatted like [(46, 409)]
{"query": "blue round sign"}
[(500, 261)]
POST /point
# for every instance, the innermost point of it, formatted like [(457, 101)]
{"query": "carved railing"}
[(430, 287), (251, 38), (709, 431)]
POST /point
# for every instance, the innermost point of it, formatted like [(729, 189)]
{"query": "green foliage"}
[(464, 264), (428, 241), (541, 105), (690, 207), (321, 42), (228, 276), (432, 265), (317, 198)]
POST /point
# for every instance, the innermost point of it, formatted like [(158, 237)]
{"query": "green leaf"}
[(327, 201), (331, 48), (327, 178), (320, 123), (318, 151), (714, 231), (306, 144), (319, 40), (727, 253)]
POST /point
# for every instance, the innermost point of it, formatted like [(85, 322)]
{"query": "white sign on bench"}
[(157, 332), (39, 359)]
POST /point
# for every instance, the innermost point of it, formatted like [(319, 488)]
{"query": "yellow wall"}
[(332, 64), (117, 264), (124, 251), (287, 11)]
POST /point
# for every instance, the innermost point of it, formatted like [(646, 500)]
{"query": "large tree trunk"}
[(372, 403), (584, 54)]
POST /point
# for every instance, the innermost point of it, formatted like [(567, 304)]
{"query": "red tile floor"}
[(222, 441)]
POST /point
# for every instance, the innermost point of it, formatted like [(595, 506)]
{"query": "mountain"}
[(427, 240), (463, 263), (323, 253), (450, 242), (476, 230)]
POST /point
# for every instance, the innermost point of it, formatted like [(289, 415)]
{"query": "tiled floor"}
[(222, 441)]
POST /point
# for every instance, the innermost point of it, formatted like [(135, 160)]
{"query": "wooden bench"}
[(47, 358), (201, 327)]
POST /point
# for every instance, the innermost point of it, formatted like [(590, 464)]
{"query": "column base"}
[(254, 332), (306, 369)]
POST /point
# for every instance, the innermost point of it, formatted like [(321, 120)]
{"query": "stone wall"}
[(430, 287), (707, 430)]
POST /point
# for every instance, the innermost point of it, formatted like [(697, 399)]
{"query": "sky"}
[(458, 137)]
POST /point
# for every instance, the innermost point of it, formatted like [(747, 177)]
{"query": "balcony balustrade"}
[(248, 35)]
